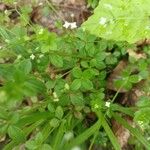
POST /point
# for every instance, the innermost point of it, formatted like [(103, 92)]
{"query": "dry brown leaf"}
[(143, 42), (121, 133), (136, 55), (2, 7)]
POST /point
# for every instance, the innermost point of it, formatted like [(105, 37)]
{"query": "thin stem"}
[(95, 136), (118, 92)]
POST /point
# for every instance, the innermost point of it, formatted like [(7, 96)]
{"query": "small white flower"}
[(107, 104), (109, 6), (73, 25), (6, 12), (148, 138), (56, 99), (67, 86), (41, 55), (96, 106), (72, 15), (0, 47), (76, 148), (102, 20), (19, 56), (32, 56), (66, 24), (15, 3), (40, 4), (68, 136), (7, 41), (55, 95), (41, 31), (140, 122)]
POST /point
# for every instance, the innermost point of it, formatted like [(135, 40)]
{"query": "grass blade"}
[(84, 136), (109, 132)]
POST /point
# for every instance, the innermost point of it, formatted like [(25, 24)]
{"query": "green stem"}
[(109, 132), (91, 145)]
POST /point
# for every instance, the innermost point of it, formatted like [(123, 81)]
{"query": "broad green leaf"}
[(77, 73), (3, 114), (77, 99), (25, 66), (90, 49), (33, 86), (39, 138), (120, 20), (56, 60), (16, 134), (87, 84), (88, 74), (76, 84), (33, 117), (6, 71), (143, 115), (84, 64), (134, 78), (31, 145), (51, 108), (144, 101), (54, 122), (59, 112)]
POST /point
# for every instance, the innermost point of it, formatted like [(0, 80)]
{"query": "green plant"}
[(120, 20), (50, 84)]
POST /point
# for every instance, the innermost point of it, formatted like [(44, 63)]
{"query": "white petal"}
[(72, 15), (32, 57), (102, 21), (40, 56), (19, 56), (55, 95), (68, 136), (41, 31), (55, 99), (40, 4), (73, 25), (107, 104), (67, 86), (66, 24)]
